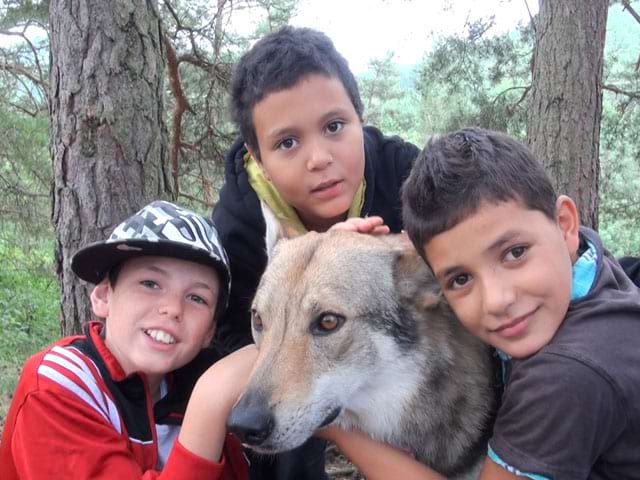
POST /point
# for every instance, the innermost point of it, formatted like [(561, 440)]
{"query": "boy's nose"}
[(171, 306), (319, 156), (498, 296)]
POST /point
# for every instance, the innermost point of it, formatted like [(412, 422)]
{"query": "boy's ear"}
[(251, 151), (568, 220), (100, 299)]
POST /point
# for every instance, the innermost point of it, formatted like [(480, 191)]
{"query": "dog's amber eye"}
[(256, 320), (327, 323)]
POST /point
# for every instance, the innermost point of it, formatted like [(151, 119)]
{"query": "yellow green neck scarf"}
[(267, 193)]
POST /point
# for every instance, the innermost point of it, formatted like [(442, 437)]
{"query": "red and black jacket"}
[(75, 415)]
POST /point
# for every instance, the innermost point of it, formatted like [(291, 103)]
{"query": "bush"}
[(29, 306)]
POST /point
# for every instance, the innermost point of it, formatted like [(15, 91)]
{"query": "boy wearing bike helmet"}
[(129, 399)]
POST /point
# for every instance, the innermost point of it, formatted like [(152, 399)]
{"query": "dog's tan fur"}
[(399, 366)]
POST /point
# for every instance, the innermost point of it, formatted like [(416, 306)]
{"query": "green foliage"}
[(25, 171), (16, 12), (29, 306), (478, 79), (620, 175), (28, 299), (619, 140), (25, 175), (277, 15), (390, 100), (24, 55)]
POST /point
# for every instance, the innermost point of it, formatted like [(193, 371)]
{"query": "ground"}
[(338, 467)]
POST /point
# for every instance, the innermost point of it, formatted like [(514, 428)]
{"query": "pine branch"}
[(182, 105), (533, 23), (619, 91), (629, 8)]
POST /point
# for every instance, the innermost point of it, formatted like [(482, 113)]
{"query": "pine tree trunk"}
[(108, 138), (564, 122)]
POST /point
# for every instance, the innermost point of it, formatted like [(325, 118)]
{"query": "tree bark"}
[(564, 121), (108, 137)]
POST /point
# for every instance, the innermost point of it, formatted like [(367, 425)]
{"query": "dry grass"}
[(338, 467)]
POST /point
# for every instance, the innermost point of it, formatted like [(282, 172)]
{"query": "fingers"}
[(380, 230), (368, 224), (372, 225)]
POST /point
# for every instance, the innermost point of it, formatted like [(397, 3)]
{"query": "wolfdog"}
[(352, 329)]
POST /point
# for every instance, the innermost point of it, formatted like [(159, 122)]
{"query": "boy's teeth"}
[(160, 336)]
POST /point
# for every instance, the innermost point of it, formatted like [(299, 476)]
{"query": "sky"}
[(365, 29)]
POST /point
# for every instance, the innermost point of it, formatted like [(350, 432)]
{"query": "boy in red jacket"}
[(120, 401)]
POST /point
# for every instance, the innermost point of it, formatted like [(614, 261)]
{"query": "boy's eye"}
[(286, 144), (149, 284), (198, 299), (515, 253), (459, 281), (335, 127)]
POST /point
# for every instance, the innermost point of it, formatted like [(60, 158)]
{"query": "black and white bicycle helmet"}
[(162, 229)]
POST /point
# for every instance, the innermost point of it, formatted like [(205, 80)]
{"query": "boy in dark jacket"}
[(304, 153), (111, 403)]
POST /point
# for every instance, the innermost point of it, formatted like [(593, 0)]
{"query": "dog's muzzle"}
[(331, 417), (251, 420)]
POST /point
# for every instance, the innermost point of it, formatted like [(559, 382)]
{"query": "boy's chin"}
[(525, 349), (323, 220)]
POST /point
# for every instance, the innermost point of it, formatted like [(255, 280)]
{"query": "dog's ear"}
[(275, 229), (414, 280)]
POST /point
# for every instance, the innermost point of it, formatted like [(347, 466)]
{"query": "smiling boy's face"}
[(159, 315), (311, 148), (506, 271)]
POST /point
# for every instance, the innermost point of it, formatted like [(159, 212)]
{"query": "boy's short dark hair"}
[(279, 61), (455, 173), (114, 273)]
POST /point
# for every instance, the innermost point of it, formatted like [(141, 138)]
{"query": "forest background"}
[(477, 76)]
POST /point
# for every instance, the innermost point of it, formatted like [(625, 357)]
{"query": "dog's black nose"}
[(250, 420)]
